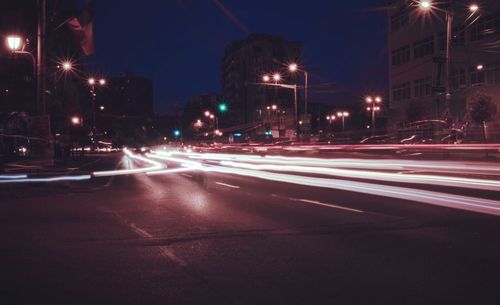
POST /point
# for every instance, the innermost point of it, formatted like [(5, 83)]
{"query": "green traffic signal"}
[(222, 107)]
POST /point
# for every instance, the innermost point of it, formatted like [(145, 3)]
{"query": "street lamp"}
[(14, 43), (266, 78), (373, 107), (480, 67), (294, 67), (343, 115), (276, 77), (92, 83), (425, 5), (331, 118), (75, 120)]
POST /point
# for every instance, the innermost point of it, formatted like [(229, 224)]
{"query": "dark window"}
[(401, 55), (422, 87), (423, 47), (401, 91), (400, 19)]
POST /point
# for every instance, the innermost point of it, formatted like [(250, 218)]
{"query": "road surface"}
[(208, 237)]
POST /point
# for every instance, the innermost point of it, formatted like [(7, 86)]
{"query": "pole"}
[(93, 93), (296, 111), (306, 80), (373, 119), (449, 21), (343, 123), (40, 63)]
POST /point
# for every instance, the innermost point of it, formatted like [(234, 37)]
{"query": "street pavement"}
[(203, 237)]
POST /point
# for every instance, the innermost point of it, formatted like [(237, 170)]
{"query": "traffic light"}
[(222, 107), (177, 133)]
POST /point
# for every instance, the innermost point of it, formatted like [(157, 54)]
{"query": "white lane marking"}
[(228, 185), (187, 175), (328, 205), (164, 250)]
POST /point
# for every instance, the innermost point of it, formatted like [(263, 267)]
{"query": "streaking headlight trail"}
[(154, 166)]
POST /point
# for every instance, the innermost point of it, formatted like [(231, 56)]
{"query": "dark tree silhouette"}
[(482, 110)]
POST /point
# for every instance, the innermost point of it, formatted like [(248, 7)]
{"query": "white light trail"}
[(20, 176), (154, 166), (480, 205), (480, 184), (51, 179), (470, 168)]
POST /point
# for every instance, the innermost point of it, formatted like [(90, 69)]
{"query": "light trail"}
[(51, 179), (154, 166), (469, 183), (470, 168), (468, 203), (20, 176)]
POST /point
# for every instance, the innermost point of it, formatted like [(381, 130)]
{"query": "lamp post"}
[(373, 106), (427, 6), (93, 83), (286, 86), (293, 67), (15, 45), (214, 120), (343, 115)]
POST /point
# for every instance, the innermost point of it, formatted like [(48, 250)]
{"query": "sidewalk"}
[(42, 168)]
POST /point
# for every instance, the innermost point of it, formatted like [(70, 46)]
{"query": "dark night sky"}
[(179, 43)]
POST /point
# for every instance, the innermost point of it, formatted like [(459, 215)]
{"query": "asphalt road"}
[(211, 238)]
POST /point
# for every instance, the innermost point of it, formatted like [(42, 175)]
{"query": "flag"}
[(82, 27)]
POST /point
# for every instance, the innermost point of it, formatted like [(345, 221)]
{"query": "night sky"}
[(180, 43)]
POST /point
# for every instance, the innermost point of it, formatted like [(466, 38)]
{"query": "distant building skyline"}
[(344, 44)]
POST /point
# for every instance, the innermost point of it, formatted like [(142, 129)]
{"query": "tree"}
[(482, 110)]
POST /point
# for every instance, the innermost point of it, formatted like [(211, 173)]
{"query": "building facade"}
[(417, 43), (243, 65)]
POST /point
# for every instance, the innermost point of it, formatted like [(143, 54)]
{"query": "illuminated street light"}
[(76, 120), (293, 67), (425, 5), (373, 106), (207, 113), (14, 43), (480, 67), (101, 107), (343, 115), (266, 78), (473, 8), (274, 107), (102, 82), (91, 81), (67, 66), (276, 77)]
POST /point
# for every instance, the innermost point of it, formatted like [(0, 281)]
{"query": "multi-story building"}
[(417, 43), (243, 66)]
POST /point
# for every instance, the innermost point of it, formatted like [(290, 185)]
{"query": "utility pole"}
[(41, 83), (449, 21)]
